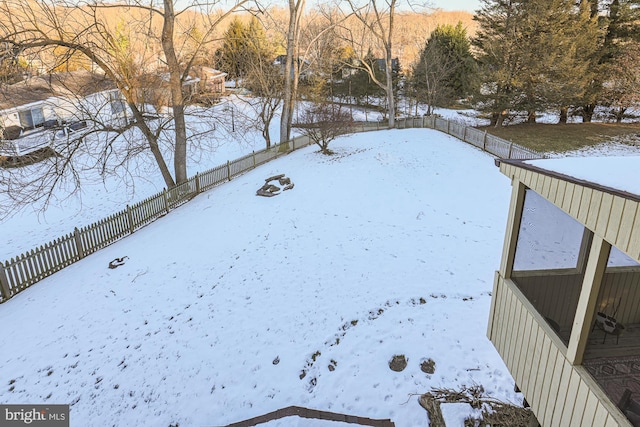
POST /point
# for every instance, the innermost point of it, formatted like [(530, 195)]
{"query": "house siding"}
[(610, 216), (559, 393)]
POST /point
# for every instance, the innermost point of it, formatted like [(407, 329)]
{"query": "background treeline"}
[(513, 58)]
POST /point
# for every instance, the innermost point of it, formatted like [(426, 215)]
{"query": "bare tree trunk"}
[(177, 100), (531, 117), (564, 115), (373, 20), (291, 69), (391, 101)]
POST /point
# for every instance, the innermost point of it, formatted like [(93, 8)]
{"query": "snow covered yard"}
[(235, 305)]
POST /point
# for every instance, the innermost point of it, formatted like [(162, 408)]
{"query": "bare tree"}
[(265, 82), (90, 30), (324, 122), (291, 67), (376, 19)]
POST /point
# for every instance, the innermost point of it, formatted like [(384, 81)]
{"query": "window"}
[(31, 119), (117, 104), (550, 256), (548, 239)]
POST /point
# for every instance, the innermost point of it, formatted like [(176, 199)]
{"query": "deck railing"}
[(20, 272)]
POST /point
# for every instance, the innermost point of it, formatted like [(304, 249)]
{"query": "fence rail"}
[(20, 272)]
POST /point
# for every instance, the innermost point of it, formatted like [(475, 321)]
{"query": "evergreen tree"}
[(446, 69), (620, 21), (243, 44), (499, 59), (362, 85), (233, 50), (535, 55), (557, 40)]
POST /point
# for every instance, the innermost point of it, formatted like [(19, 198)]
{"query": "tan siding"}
[(578, 193), (601, 415), (546, 185), (558, 366), (541, 370), (559, 199), (562, 399), (570, 401), (626, 225), (559, 393), (611, 422), (514, 311), (585, 202), (594, 209), (615, 216), (604, 213), (634, 241), (580, 405), (528, 356), (502, 312), (568, 196), (536, 182), (553, 189), (590, 410), (527, 177), (492, 308), (523, 362)]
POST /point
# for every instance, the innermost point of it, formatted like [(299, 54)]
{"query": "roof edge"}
[(588, 184)]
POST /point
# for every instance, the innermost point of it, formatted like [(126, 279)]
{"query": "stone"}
[(428, 366), (398, 363)]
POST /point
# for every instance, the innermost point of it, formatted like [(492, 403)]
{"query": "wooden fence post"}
[(484, 141), (198, 189), (293, 144), (464, 134), (166, 200), (4, 283), (448, 125), (228, 170), (78, 240), (130, 218), (253, 153), (510, 147)]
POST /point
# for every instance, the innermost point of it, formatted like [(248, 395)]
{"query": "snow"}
[(454, 414), (388, 247), (616, 172)]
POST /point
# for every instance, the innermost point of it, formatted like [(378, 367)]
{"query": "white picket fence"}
[(28, 268)]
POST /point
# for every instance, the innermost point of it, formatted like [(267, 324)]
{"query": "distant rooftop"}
[(616, 173), (39, 88)]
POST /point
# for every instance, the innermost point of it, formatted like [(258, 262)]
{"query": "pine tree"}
[(558, 40), (499, 57), (620, 22), (446, 69), (535, 55), (233, 50)]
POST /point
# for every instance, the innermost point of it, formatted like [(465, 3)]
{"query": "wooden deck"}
[(627, 343)]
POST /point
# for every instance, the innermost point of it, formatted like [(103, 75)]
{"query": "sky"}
[(466, 5)]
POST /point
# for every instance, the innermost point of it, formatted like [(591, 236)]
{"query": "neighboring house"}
[(202, 82), (381, 63), (32, 109), (212, 81), (303, 64), (565, 308)]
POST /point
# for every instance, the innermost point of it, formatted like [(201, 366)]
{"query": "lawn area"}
[(545, 137)]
